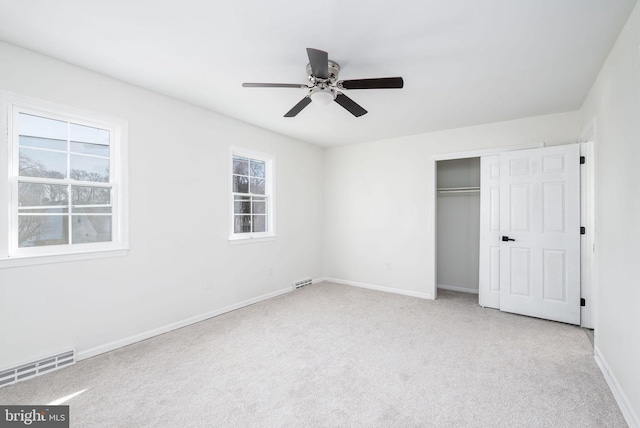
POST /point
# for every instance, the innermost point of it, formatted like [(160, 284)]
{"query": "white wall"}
[(376, 205), (178, 221), (458, 225), (614, 103)]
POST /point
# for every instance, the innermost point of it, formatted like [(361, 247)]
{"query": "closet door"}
[(540, 233)]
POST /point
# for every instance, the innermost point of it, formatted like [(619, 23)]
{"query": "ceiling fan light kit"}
[(325, 87), (323, 97)]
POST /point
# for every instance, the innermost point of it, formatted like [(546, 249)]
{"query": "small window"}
[(252, 211), (66, 180)]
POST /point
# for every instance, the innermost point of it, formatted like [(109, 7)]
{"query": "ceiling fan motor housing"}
[(334, 70), (324, 90)]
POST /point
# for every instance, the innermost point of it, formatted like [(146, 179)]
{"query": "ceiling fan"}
[(325, 87)]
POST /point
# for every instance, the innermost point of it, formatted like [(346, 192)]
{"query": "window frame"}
[(11, 106), (269, 161)]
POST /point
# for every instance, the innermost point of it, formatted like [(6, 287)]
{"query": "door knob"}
[(506, 238)]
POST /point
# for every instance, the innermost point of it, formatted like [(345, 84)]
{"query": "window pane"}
[(37, 194), (240, 165), (85, 168), (241, 223), (257, 186), (34, 231), (259, 223), (86, 195), (257, 168), (90, 149), (88, 228), (39, 163), (242, 207), (88, 134), (240, 184), (43, 143), (36, 126), (259, 207)]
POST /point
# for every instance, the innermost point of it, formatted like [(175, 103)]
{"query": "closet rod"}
[(458, 190)]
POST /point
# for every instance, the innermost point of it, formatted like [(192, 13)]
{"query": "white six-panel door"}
[(537, 271)]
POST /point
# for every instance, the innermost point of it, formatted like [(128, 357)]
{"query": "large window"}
[(252, 195), (65, 190)]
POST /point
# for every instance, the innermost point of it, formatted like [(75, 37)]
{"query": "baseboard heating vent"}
[(302, 283), (37, 368)]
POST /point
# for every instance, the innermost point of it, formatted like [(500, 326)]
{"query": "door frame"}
[(588, 198)]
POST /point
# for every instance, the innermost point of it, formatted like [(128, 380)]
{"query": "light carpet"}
[(331, 355)]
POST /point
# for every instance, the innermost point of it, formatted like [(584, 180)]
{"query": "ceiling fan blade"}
[(273, 85), (319, 61), (353, 107), (380, 83), (298, 107)]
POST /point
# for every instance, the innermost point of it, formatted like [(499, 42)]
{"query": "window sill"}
[(250, 240), (30, 260)]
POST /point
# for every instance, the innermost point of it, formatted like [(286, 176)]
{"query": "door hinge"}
[(583, 160), (583, 302), (583, 230)]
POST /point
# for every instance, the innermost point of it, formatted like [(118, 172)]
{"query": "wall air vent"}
[(37, 368), (302, 283)]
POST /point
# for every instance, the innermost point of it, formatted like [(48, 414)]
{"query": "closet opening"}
[(458, 224)]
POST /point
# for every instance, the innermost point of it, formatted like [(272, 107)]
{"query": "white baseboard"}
[(418, 294), (621, 398), (101, 349), (456, 288)]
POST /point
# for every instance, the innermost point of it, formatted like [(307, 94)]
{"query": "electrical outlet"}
[(208, 284), (270, 271), (388, 266)]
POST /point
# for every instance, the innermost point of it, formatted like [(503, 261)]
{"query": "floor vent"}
[(37, 368), (300, 284)]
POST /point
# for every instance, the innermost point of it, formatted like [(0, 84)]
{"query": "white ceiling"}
[(464, 62)]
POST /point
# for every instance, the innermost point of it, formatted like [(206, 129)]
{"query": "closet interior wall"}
[(458, 224)]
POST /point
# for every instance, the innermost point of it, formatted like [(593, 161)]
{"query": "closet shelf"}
[(445, 190)]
